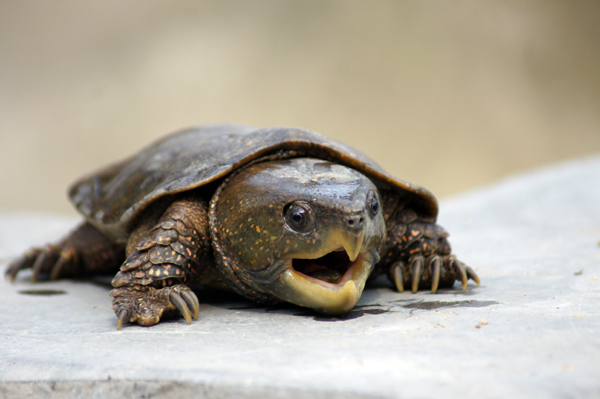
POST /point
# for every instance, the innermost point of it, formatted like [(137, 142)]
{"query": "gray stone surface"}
[(531, 330)]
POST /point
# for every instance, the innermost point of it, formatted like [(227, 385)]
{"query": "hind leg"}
[(85, 251)]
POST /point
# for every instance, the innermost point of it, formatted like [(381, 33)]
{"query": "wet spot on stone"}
[(431, 305), (351, 315), (42, 292)]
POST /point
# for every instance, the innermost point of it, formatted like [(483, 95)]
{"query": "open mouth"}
[(330, 268), (331, 284), (332, 271), (328, 278)]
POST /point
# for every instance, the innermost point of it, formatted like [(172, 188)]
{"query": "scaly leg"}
[(85, 251), (152, 281), (418, 254)]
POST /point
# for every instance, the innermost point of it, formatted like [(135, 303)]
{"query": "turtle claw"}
[(22, 263), (178, 301), (192, 301), (461, 271), (146, 305), (397, 278), (417, 267), (436, 267), (123, 315), (55, 272), (37, 266), (473, 276)]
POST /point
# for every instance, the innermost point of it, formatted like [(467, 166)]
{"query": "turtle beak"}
[(353, 243)]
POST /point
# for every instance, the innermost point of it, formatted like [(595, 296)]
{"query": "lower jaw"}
[(327, 298)]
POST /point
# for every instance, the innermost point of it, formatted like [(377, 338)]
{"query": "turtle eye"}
[(299, 216), (373, 204)]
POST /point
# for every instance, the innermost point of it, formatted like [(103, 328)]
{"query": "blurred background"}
[(448, 94)]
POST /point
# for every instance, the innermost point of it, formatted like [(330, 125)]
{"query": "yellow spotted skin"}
[(176, 251), (250, 225)]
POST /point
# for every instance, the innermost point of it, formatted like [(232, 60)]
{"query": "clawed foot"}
[(430, 272), (51, 259), (145, 305)]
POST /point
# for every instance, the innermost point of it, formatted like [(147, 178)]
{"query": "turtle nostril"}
[(355, 221)]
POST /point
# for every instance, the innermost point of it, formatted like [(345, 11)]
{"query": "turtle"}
[(274, 214)]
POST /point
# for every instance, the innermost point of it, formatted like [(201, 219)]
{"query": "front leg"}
[(418, 254), (162, 260)]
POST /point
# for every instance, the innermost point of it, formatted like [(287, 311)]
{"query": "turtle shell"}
[(115, 196)]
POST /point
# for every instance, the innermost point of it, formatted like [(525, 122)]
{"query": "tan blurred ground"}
[(447, 94)]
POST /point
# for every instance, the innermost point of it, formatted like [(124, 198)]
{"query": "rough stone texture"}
[(531, 330)]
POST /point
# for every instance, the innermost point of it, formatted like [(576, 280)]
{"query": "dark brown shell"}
[(113, 197)]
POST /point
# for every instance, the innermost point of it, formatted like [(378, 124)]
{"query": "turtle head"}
[(303, 230)]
